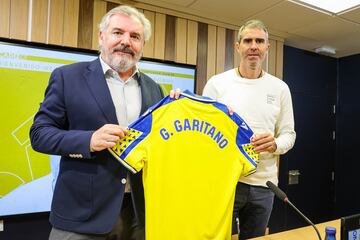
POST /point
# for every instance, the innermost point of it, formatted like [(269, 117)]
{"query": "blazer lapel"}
[(97, 83), (150, 93), (145, 98)]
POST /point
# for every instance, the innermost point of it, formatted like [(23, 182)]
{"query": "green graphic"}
[(164, 73), (166, 88), (21, 92)]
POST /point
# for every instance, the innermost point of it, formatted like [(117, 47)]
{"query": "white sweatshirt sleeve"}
[(210, 90), (284, 129)]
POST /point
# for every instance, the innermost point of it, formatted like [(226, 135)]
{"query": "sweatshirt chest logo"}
[(270, 99)]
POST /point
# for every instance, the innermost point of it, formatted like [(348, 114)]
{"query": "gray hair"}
[(130, 11), (254, 23)]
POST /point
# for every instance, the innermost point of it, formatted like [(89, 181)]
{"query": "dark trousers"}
[(57, 234), (252, 209), (126, 228)]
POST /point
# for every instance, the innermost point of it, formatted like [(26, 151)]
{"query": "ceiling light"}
[(332, 6), (325, 50)]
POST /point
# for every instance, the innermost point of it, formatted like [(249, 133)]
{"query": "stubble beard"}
[(254, 64)]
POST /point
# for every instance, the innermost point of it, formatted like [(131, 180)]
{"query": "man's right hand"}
[(106, 137)]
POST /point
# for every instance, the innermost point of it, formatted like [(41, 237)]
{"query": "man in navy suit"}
[(86, 109)]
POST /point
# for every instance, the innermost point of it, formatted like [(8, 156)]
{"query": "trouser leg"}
[(127, 226), (255, 215), (57, 234)]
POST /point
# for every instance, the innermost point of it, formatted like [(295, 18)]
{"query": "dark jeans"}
[(252, 208), (126, 228)]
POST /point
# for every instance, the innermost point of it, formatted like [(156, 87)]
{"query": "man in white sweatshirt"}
[(264, 102)]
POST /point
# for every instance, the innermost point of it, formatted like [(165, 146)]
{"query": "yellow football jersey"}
[(192, 153)]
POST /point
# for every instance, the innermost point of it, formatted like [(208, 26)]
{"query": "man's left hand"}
[(175, 93)]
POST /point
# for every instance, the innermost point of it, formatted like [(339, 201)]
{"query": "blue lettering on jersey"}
[(211, 132), (164, 134), (186, 124), (197, 126), (178, 126), (207, 124)]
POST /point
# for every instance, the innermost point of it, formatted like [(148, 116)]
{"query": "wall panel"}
[(229, 49), (19, 12), (265, 65), (192, 39), (56, 21), (235, 52), (159, 36), (71, 20), (149, 45), (111, 5), (99, 12), (85, 31), (220, 49), (39, 21), (271, 64), (211, 52), (170, 38), (279, 59), (181, 40), (202, 51), (5, 18)]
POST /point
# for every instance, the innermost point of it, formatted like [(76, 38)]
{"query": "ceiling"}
[(299, 26)]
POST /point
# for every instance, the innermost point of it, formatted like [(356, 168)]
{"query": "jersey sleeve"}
[(250, 157), (124, 151)]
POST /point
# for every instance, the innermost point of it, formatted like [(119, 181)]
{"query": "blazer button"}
[(123, 181)]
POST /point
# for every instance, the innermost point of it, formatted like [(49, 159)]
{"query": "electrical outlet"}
[(1, 225)]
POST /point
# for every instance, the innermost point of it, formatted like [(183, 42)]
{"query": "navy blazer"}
[(89, 189)]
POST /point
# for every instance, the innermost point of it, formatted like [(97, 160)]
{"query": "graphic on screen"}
[(169, 77), (354, 234), (27, 177)]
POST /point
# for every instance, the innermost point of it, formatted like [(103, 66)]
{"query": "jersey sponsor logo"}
[(196, 126), (121, 145), (249, 150)]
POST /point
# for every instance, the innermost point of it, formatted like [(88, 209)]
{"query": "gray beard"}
[(124, 65)]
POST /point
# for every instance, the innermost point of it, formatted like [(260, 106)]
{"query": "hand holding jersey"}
[(264, 142), (175, 93), (106, 137)]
